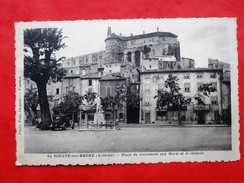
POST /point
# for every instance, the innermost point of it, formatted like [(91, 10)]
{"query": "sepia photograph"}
[(127, 91)]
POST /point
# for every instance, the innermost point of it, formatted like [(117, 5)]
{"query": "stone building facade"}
[(189, 81)]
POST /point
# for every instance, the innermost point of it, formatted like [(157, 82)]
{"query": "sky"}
[(200, 39)]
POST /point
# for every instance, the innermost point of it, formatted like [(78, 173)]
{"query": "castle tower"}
[(114, 46)]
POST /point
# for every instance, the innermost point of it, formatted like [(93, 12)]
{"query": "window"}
[(90, 117), (67, 89), (107, 116), (147, 88), (73, 89), (71, 81), (161, 114), (110, 71), (83, 116), (90, 82), (121, 115), (187, 87), (199, 86), (150, 66), (147, 76), (129, 56), (187, 76), (147, 103), (73, 62), (90, 89), (199, 75), (165, 64), (108, 90), (213, 75), (214, 85), (71, 72), (28, 81), (214, 100), (57, 91)]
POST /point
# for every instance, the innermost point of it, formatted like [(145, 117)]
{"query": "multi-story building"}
[(189, 81), (108, 86), (226, 90)]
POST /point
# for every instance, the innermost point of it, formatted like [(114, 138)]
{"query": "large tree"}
[(41, 64), (173, 99)]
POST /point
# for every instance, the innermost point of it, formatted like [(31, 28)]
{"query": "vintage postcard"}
[(127, 91)]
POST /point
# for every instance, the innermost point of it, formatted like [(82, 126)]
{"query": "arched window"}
[(129, 56)]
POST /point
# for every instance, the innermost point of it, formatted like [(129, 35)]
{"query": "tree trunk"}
[(34, 122), (44, 105), (179, 117)]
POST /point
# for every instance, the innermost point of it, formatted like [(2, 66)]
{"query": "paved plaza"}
[(129, 139)]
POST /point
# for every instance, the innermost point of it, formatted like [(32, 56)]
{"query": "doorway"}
[(201, 117), (147, 118)]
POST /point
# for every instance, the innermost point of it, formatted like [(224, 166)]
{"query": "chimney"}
[(131, 34), (120, 34), (157, 29), (143, 32), (109, 32)]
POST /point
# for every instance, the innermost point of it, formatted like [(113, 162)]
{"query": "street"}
[(137, 139)]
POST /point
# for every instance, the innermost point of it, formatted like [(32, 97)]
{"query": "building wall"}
[(112, 68), (187, 63), (71, 84), (85, 87), (110, 85), (92, 58)]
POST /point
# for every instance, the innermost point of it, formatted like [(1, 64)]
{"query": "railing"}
[(100, 126)]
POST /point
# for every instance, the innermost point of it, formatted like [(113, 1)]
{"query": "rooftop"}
[(181, 70), (113, 76), (94, 75), (140, 36)]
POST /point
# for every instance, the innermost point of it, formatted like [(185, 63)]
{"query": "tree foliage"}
[(71, 102), (90, 97), (40, 62), (113, 103)]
